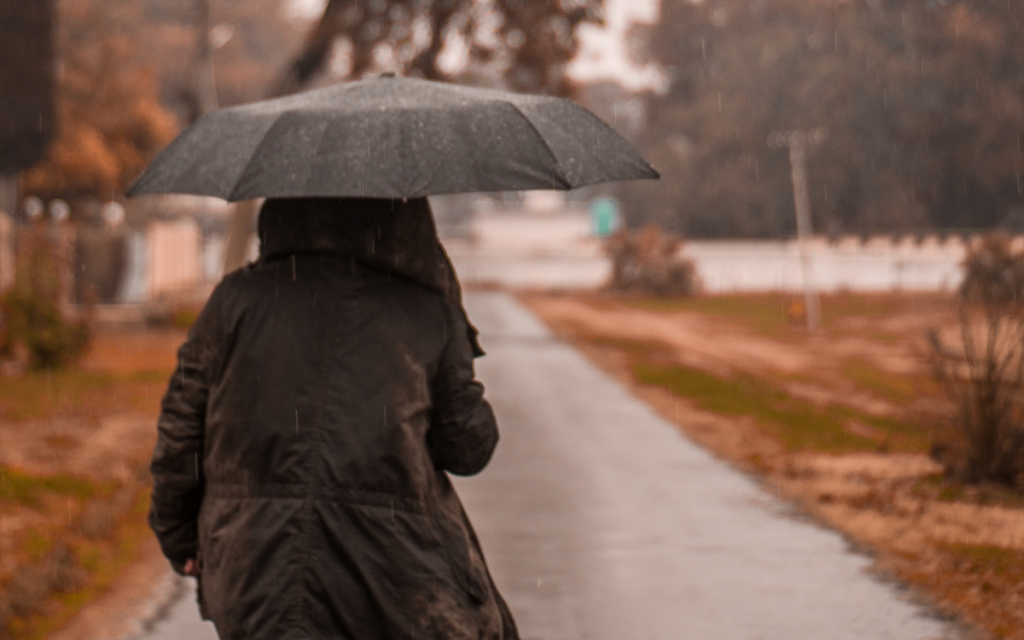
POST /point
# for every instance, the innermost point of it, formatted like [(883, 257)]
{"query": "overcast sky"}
[(603, 52)]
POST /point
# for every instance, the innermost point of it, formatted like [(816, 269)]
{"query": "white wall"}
[(557, 250), (880, 264)]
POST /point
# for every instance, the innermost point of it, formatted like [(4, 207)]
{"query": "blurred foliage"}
[(994, 276), (31, 319), (36, 322), (923, 102), (110, 121), (251, 42), (184, 317), (649, 261), (525, 43), (17, 487), (984, 376)]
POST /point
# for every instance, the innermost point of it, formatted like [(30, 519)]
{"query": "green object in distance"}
[(604, 213)]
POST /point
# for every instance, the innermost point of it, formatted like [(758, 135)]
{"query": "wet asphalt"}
[(600, 521)]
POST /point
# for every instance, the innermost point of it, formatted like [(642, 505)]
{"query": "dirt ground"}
[(963, 547), (74, 451)]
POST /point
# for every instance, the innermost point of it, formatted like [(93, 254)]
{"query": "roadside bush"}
[(31, 319), (102, 515), (36, 323), (6, 613), (185, 317), (33, 584), (648, 261), (984, 375)]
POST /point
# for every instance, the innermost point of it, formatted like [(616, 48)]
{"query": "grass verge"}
[(48, 394), (26, 490), (71, 537), (798, 424), (765, 313), (984, 582), (62, 568), (894, 388)]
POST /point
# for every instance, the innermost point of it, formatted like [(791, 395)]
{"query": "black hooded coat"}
[(321, 399)]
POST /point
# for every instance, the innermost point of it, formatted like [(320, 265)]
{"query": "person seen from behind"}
[(320, 401)]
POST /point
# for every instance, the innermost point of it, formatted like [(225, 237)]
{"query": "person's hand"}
[(191, 568)]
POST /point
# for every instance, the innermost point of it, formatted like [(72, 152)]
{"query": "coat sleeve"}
[(463, 431), (177, 465)]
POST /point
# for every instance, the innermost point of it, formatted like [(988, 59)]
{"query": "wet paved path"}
[(599, 521)]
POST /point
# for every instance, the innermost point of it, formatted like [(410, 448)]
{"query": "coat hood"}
[(394, 236)]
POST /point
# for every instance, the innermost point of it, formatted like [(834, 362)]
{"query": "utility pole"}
[(797, 142), (243, 215), (205, 83)]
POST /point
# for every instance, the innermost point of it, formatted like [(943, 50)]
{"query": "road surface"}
[(600, 521)]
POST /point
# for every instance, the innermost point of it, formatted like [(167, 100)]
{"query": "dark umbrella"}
[(392, 138)]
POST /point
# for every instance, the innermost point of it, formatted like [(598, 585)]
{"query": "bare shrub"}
[(102, 516), (31, 315), (984, 376), (6, 613), (648, 261), (62, 571), (28, 590), (98, 520), (34, 583)]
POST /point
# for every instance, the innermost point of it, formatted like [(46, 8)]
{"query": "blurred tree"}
[(251, 41), (528, 42), (923, 101), (110, 121)]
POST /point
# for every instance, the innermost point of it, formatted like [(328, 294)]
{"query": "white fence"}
[(171, 257), (879, 264), (557, 251)]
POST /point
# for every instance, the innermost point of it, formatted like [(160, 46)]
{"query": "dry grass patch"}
[(74, 451), (798, 424)]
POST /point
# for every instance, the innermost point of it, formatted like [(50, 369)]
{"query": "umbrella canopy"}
[(392, 138)]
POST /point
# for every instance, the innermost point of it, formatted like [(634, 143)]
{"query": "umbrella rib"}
[(255, 151), (608, 128), (544, 142)]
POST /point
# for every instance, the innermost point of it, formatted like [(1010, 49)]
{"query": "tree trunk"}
[(243, 219)]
